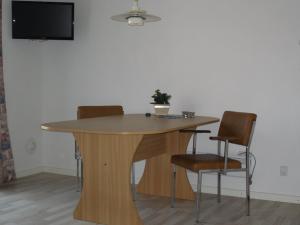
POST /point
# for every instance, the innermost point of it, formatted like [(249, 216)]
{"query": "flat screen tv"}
[(43, 20)]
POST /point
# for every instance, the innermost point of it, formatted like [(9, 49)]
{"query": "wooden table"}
[(109, 146)]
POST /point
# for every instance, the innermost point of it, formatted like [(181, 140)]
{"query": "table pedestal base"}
[(106, 197), (156, 179)]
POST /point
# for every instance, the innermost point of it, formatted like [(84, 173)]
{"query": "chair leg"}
[(248, 183), (81, 167), (78, 175), (219, 174), (173, 186), (248, 199), (198, 197), (219, 187), (133, 182)]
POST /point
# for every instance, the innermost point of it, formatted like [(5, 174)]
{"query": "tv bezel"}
[(44, 37)]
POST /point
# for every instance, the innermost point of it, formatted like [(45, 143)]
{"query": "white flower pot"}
[(161, 109)]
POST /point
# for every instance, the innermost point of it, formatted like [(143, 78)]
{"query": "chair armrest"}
[(195, 131), (218, 138)]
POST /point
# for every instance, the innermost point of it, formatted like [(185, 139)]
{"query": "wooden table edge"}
[(66, 130)]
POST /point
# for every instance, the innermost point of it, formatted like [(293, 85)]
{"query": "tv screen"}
[(43, 20)]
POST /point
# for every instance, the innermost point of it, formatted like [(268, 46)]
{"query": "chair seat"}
[(204, 162)]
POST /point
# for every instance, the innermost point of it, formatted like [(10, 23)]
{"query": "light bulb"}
[(135, 21)]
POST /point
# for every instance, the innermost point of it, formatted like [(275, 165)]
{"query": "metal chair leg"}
[(78, 175), (219, 187), (173, 186), (248, 182), (78, 159), (133, 182), (81, 167), (219, 174), (198, 198)]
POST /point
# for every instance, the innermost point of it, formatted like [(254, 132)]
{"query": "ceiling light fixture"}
[(136, 16)]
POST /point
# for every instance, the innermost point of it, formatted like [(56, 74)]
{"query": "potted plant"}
[(161, 102)]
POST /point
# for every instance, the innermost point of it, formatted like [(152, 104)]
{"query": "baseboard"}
[(29, 172), (45, 169), (60, 171), (206, 189), (254, 194)]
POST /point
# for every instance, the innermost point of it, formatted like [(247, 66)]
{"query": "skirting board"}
[(45, 169), (60, 171), (29, 172), (253, 194), (206, 189)]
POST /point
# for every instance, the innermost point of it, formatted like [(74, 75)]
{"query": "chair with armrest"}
[(236, 128), (85, 112)]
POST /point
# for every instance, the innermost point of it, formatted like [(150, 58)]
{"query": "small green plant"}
[(161, 98)]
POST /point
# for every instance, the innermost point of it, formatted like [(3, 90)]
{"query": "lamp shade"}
[(136, 16)]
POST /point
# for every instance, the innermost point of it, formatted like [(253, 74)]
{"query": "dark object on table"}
[(187, 114)]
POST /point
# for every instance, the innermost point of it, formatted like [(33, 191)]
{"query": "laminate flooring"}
[(49, 199)]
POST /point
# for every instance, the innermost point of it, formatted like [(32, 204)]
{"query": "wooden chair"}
[(84, 112), (236, 128)]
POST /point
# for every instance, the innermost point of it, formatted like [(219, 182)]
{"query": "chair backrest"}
[(84, 112), (238, 125)]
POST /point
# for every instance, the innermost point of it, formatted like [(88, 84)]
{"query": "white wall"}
[(23, 79), (210, 55)]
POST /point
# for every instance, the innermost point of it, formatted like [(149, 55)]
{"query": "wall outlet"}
[(284, 171)]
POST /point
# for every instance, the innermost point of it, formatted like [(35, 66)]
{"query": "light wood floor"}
[(48, 199)]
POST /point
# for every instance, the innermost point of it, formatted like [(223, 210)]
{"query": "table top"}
[(128, 124)]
